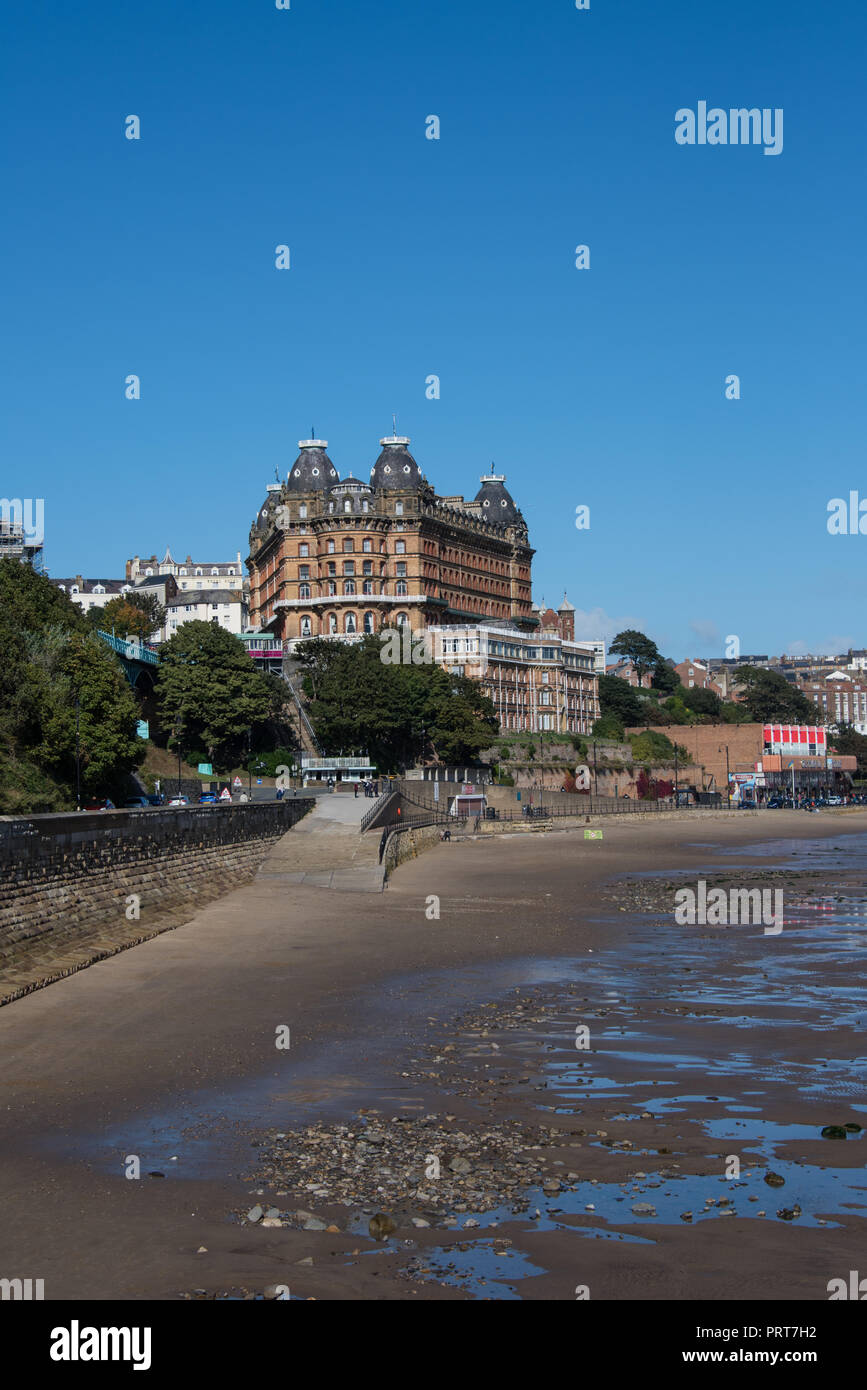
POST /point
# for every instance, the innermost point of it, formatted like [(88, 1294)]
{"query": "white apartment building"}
[(535, 683), (226, 607), (191, 574)]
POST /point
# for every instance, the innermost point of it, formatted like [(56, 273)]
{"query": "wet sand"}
[(168, 1052)]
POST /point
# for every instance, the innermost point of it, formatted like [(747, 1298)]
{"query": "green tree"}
[(702, 702), (396, 713), (640, 650), (209, 688), (619, 698), (770, 699), (126, 617), (608, 726), (845, 739), (665, 679)]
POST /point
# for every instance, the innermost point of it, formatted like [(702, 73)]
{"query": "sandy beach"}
[(704, 1043)]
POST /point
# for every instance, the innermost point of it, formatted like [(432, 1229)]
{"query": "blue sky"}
[(412, 257)]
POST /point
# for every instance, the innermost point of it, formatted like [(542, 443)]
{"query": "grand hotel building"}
[(332, 557)]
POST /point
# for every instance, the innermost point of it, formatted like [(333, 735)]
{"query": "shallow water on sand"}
[(712, 1028)]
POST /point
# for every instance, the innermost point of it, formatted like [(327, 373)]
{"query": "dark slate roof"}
[(193, 596), (496, 501), (313, 470), (395, 467)]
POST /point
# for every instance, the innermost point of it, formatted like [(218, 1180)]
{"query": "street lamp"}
[(178, 727), (77, 752)]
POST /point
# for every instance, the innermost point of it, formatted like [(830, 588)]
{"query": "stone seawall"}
[(77, 888)]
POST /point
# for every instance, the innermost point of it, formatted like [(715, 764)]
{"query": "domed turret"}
[(395, 467), (313, 470), (496, 501)]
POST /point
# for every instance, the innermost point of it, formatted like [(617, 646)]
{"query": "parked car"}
[(180, 801), (105, 805), (835, 801), (135, 803), (207, 799)]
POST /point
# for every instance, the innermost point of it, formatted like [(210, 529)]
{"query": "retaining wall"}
[(68, 883)]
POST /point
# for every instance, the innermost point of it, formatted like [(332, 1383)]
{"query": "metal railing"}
[(131, 649), (377, 808)]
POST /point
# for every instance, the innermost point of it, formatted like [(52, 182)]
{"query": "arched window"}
[(347, 505), (367, 586), (401, 619), (232, 572), (305, 626), (214, 570), (368, 622), (400, 587), (182, 570), (350, 623), (198, 571), (349, 586), (303, 590), (332, 622), (366, 546)]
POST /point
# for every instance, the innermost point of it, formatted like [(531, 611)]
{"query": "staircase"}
[(304, 729)]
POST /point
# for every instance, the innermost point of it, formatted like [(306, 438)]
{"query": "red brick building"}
[(340, 557)]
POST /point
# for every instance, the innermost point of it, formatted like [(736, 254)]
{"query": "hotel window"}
[(302, 511), (349, 586), (332, 622), (303, 590), (366, 546), (401, 619), (303, 571), (349, 545), (368, 622), (332, 587), (398, 509), (400, 568), (332, 567), (545, 697), (544, 677), (400, 548), (364, 506), (367, 586), (350, 622), (304, 549), (347, 505), (182, 571), (367, 567), (349, 567), (305, 627), (400, 587), (330, 547)]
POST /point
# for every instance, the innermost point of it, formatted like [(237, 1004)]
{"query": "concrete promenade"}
[(327, 850)]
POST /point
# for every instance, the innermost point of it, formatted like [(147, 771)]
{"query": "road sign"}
[(225, 794), (206, 769), (237, 782)]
